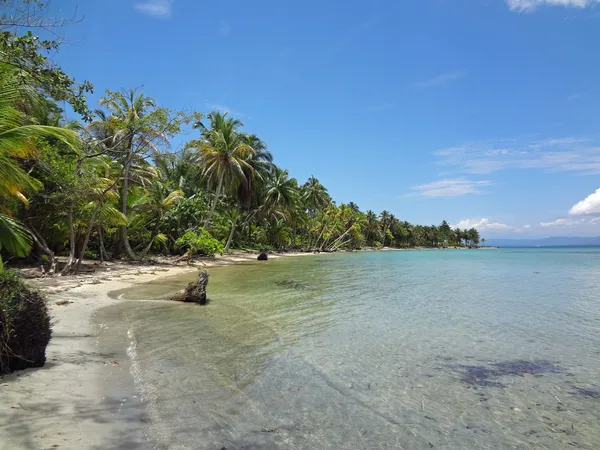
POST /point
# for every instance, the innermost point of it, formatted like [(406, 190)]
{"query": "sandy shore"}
[(64, 405)]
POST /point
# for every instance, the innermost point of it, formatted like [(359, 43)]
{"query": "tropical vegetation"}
[(109, 184)]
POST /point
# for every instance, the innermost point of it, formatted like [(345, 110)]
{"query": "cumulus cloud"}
[(161, 9), (451, 187), (442, 79), (589, 206), (532, 5), (483, 224)]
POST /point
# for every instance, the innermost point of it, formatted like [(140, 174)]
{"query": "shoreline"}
[(64, 404)]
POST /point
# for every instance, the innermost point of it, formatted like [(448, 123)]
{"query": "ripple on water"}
[(453, 350)]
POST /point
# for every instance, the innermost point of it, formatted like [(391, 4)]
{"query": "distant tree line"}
[(109, 185)]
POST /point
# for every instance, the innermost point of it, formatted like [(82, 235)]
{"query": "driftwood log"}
[(195, 292)]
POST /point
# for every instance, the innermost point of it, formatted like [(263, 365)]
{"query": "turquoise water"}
[(487, 349)]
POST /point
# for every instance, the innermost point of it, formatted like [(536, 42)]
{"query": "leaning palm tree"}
[(19, 136), (314, 197), (154, 201)]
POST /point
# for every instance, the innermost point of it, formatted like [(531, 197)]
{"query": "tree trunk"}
[(152, 236), (43, 246), (71, 260), (341, 237), (235, 218), (321, 235), (87, 238), (214, 203), (334, 248), (102, 249), (125, 197)]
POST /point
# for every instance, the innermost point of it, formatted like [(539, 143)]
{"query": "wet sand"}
[(65, 404)]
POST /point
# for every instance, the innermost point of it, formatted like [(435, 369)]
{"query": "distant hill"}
[(555, 241)]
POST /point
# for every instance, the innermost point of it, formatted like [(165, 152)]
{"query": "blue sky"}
[(481, 112)]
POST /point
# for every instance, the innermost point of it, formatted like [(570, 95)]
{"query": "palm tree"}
[(133, 127), (354, 207), (19, 135), (371, 228), (281, 192), (228, 162), (154, 203), (384, 217), (314, 197)]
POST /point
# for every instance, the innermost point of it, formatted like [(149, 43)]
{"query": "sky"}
[(483, 113)]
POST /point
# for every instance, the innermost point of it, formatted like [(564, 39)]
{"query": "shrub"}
[(200, 242), (184, 215), (24, 325)]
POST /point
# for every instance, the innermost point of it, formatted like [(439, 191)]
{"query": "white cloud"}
[(527, 226), (442, 79), (588, 206), (224, 28), (562, 222), (161, 9), (451, 187), (531, 5), (483, 224), (569, 154)]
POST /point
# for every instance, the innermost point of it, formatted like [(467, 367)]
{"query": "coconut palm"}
[(314, 195), (133, 127), (281, 192), (372, 230), (384, 218), (19, 136), (228, 162)]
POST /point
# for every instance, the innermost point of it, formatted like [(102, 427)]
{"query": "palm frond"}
[(14, 236)]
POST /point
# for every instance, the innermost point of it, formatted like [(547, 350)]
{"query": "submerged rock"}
[(593, 392), (195, 292), (292, 284), (263, 256), (488, 376)]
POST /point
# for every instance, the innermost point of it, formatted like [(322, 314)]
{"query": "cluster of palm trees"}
[(112, 187)]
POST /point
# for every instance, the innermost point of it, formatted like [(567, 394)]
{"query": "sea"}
[(428, 349)]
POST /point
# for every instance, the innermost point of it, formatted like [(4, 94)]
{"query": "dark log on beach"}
[(263, 256), (195, 292)]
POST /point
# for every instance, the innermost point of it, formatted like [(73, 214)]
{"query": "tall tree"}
[(226, 160), (134, 129), (19, 138)]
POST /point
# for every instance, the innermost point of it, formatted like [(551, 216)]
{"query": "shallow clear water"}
[(488, 349)]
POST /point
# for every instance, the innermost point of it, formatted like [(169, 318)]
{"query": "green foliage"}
[(29, 54), (200, 242), (114, 187), (24, 325), (186, 214)]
